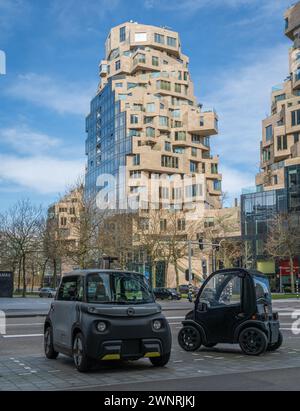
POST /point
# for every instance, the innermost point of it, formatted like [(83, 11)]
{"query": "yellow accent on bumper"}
[(111, 357), (152, 354)]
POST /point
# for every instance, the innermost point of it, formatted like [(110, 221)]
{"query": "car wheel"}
[(189, 338), (50, 353), (253, 341), (276, 346), (160, 361), (80, 358)]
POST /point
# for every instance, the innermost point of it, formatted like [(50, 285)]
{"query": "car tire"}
[(160, 361), (277, 345), (80, 358), (189, 338), (253, 341), (50, 352)]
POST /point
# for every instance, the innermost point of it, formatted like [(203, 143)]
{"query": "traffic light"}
[(201, 244), (187, 275), (204, 267)]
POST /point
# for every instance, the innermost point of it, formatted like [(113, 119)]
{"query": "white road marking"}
[(23, 335), (24, 325)]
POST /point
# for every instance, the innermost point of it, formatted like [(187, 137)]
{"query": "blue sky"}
[(237, 51)]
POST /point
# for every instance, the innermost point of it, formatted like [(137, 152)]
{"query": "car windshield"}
[(262, 288), (118, 288)]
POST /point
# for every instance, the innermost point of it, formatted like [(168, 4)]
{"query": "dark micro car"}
[(47, 293), (233, 306), (166, 294), (106, 315)]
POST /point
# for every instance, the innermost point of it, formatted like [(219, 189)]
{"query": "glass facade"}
[(107, 143), (258, 210)]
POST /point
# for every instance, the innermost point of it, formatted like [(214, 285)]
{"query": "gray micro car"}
[(106, 315)]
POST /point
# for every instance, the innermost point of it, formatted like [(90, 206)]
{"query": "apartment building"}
[(280, 146), (278, 182), (145, 118)]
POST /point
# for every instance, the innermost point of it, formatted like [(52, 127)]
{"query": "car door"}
[(64, 311), (220, 305)]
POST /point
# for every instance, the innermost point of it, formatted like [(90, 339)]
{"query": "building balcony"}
[(204, 124), (103, 69)]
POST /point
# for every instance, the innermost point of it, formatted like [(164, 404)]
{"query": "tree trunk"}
[(177, 275), (24, 276), (32, 276), (292, 275), (43, 274), (154, 274), (19, 275), (54, 273)]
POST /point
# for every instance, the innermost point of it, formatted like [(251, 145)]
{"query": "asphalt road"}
[(24, 367)]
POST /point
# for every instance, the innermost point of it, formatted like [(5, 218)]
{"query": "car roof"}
[(97, 271), (252, 273)]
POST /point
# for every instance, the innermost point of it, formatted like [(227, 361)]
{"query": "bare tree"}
[(21, 226), (284, 240)]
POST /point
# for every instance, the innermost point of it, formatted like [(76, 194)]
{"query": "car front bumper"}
[(128, 339)]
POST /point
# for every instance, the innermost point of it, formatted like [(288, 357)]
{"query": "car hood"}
[(130, 310)]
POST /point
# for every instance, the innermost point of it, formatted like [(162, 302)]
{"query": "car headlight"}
[(101, 326), (157, 324)]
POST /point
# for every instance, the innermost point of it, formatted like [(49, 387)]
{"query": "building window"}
[(168, 146), (217, 185), (171, 41), (194, 190), (140, 37), (155, 61), (295, 117), (135, 174), (164, 193), (136, 160), (148, 120), (168, 161), (158, 38), (122, 34), (72, 210), (286, 23), (63, 221), (119, 85), (185, 76), (150, 132), (150, 107), (275, 180), (282, 143), (163, 121), (181, 224), (296, 138), (163, 225), (269, 133), (180, 136), (134, 119), (164, 85), (118, 65), (193, 167), (176, 113), (266, 155), (177, 88), (214, 168), (194, 151)]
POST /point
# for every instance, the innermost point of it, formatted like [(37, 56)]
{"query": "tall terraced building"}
[(280, 146), (145, 118)]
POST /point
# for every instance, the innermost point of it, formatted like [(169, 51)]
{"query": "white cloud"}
[(44, 91), (41, 174), (26, 141), (234, 180)]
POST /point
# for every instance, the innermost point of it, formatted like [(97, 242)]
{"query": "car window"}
[(68, 289), (222, 290)]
